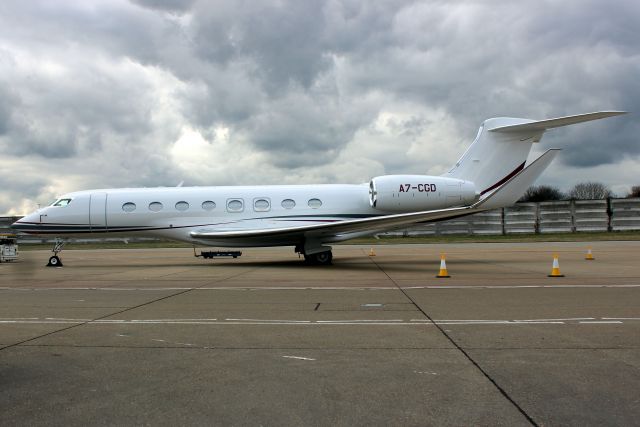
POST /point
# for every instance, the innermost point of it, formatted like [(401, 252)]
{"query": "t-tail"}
[(502, 146)]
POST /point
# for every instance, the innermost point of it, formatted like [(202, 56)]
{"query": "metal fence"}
[(564, 216)]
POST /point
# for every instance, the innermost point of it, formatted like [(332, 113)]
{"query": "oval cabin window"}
[(288, 204), (155, 206), (315, 203), (208, 205), (261, 205), (235, 205), (182, 206), (129, 207)]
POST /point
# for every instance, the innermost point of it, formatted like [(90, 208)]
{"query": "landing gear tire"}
[(321, 258), (54, 261)]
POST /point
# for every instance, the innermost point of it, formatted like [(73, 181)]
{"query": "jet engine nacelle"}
[(409, 193)]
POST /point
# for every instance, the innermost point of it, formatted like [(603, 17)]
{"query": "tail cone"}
[(555, 270), (443, 268)]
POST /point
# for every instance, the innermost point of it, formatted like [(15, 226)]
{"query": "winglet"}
[(542, 125)]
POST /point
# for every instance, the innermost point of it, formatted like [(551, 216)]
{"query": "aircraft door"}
[(98, 211)]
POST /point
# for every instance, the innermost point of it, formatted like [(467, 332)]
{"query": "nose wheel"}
[(55, 261)]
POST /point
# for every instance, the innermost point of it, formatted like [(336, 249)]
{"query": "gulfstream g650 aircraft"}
[(492, 173)]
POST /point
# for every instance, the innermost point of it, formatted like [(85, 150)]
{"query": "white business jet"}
[(491, 174)]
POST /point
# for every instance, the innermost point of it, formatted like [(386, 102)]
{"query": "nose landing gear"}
[(55, 261)]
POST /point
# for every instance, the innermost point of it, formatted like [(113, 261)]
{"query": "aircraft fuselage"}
[(174, 212)]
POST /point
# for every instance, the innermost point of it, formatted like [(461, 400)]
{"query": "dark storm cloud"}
[(317, 142), (68, 117), (283, 39), (484, 59), (30, 184), (593, 145), (474, 59), (65, 103), (267, 68), (177, 6), (7, 101)]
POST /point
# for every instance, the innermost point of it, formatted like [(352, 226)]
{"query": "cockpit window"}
[(62, 202)]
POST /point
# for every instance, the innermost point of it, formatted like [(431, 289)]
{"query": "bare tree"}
[(541, 193), (589, 191), (635, 191)]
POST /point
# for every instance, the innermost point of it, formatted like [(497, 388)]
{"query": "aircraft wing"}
[(505, 195), (336, 228)]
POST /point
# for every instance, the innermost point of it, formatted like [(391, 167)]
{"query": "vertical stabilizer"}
[(494, 158), (502, 146)]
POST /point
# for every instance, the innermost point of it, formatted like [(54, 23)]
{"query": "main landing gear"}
[(317, 255), (55, 261), (321, 258)]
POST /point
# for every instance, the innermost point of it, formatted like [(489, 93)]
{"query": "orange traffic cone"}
[(555, 270), (372, 252), (443, 268), (589, 256)]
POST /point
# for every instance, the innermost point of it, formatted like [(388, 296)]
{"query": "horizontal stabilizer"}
[(542, 125)]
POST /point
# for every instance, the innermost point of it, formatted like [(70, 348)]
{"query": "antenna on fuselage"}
[(180, 184)]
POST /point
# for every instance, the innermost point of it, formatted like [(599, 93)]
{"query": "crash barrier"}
[(562, 216)]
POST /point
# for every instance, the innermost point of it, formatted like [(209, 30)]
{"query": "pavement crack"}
[(181, 292), (502, 391)]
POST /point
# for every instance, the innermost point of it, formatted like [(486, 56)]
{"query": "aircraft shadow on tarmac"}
[(343, 264)]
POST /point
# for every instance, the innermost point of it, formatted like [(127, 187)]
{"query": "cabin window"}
[(235, 205), (129, 207), (155, 206), (261, 205), (288, 204), (208, 205), (315, 203), (182, 206), (62, 202)]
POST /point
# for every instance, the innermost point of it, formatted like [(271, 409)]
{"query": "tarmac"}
[(159, 337)]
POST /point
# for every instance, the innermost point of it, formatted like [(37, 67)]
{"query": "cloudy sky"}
[(99, 94)]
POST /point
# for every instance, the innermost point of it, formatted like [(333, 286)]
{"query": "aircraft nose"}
[(26, 223), (18, 225)]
